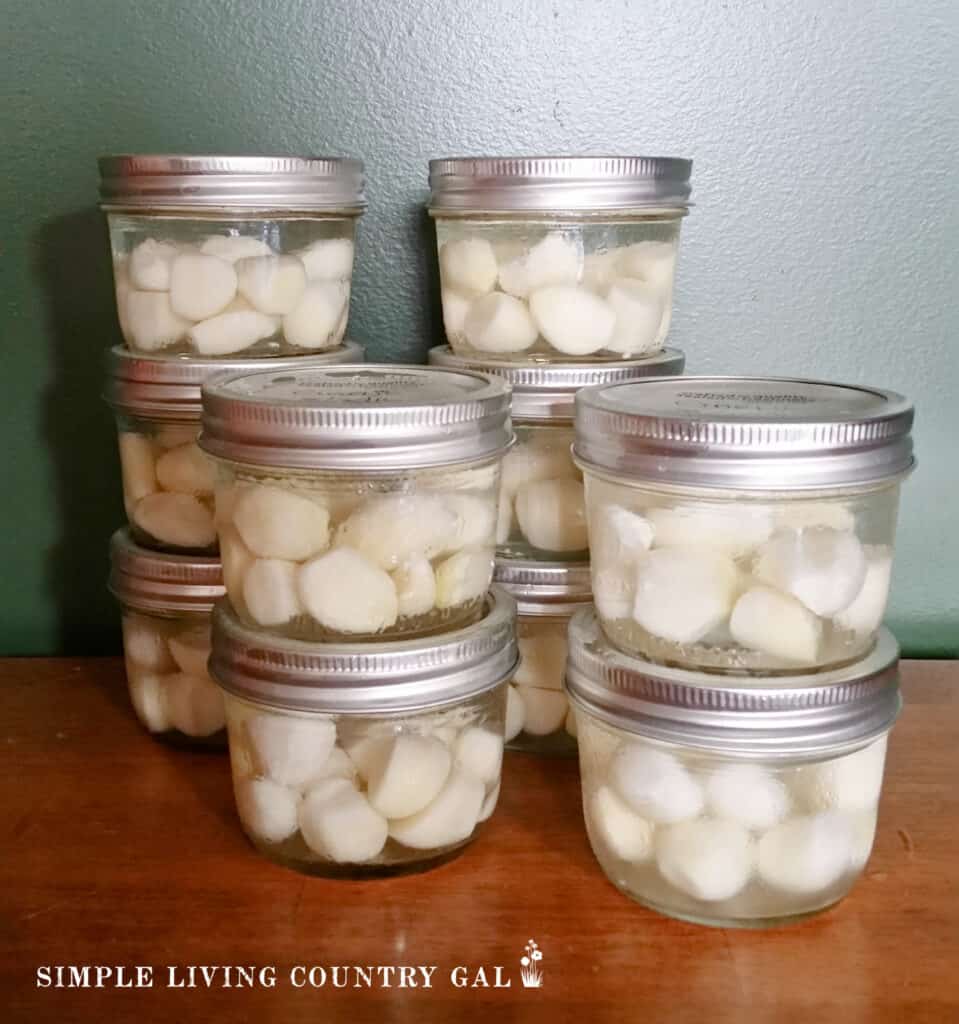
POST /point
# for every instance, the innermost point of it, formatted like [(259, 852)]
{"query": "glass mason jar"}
[(558, 258), (742, 525), (167, 479), (217, 255), (371, 759), (542, 508), (727, 804), (167, 601), (357, 503), (546, 594)]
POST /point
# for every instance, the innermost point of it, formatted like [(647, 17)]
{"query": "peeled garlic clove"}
[(614, 592), (624, 833), (515, 713), (137, 466), (802, 514), (149, 265), (179, 520), (555, 260), (806, 855), (314, 321), (267, 809), (865, 613), (823, 567), (272, 284), (545, 710), (144, 644), (863, 826), (329, 259), (849, 783), (655, 785), (479, 753), (474, 520), (389, 530), (270, 591), (275, 522), (708, 860), (151, 322), (449, 818), (599, 269), (463, 577), (573, 320), (733, 529), (766, 620), (348, 594), (639, 313), (185, 470), (530, 462), (172, 435), (191, 649), (622, 537), (552, 515), (410, 774), (290, 750), (235, 558), (748, 795), (337, 766), (504, 518), (415, 586), (231, 331), (148, 696), (455, 308), (195, 704), (469, 265), (201, 285), (489, 804), (682, 595), (341, 825), (650, 261), (542, 659), (365, 751), (499, 323), (234, 247)]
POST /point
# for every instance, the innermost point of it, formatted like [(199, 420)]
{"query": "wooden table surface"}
[(115, 850)]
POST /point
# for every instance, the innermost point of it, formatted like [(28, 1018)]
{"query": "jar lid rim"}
[(160, 581)]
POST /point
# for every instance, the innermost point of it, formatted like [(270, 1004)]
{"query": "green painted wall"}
[(825, 138)]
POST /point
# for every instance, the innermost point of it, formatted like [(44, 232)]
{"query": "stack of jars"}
[(733, 687), (556, 274), (221, 265)]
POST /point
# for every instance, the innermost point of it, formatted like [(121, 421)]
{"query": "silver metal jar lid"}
[(762, 433), (558, 183), (366, 679), (182, 181), (786, 717), (168, 387), (369, 417), (548, 589), (547, 391), (154, 581)]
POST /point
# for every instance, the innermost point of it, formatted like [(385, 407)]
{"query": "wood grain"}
[(115, 850)]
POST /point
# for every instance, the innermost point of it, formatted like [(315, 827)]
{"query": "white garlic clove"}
[(270, 591), (235, 559), (201, 285), (530, 462), (340, 824), (474, 520), (504, 518), (552, 515), (145, 644), (415, 586), (614, 592), (172, 435), (267, 809), (275, 522), (455, 308), (329, 259), (450, 818), (185, 470), (390, 529), (824, 568), (195, 704), (515, 713), (628, 836), (271, 284), (622, 537), (863, 826), (572, 319), (599, 269), (849, 783), (800, 515), (338, 765), (655, 785), (681, 595), (231, 331), (314, 322), (554, 260), (865, 614), (733, 529), (137, 466), (806, 855), (148, 696), (489, 804), (708, 860), (479, 752), (151, 322), (499, 323), (463, 577), (639, 313), (179, 520), (191, 649), (542, 659), (748, 795), (544, 710), (346, 593), (149, 265), (650, 261), (234, 247), (468, 265), (408, 774), (290, 750), (777, 624)]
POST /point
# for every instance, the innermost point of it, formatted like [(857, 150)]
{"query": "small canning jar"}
[(357, 502), (167, 601), (370, 759), (167, 480), (727, 804), (217, 255), (542, 509), (546, 594), (742, 525), (558, 258)]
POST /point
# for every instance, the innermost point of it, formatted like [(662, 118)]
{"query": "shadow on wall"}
[(71, 260), (432, 318)]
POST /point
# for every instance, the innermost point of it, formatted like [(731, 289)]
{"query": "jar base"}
[(745, 924)]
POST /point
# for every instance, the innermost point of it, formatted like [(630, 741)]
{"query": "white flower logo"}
[(530, 970)]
